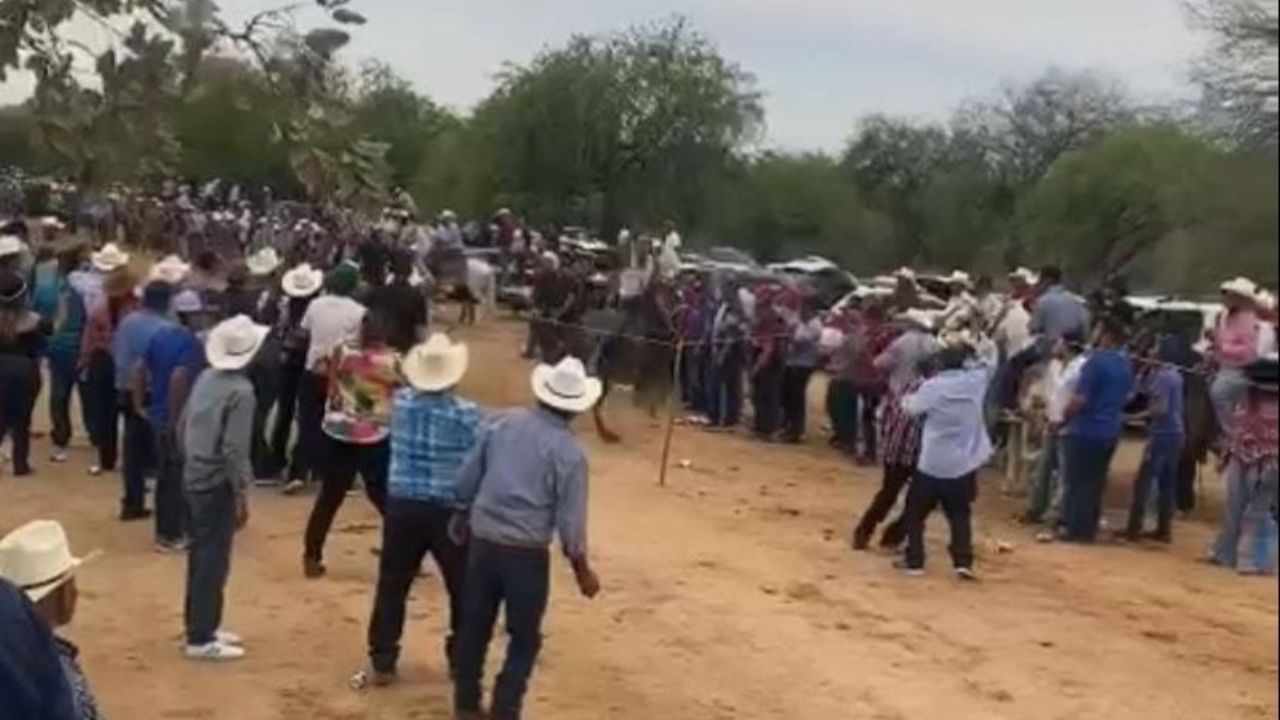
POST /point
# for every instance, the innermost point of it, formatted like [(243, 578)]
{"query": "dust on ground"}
[(729, 594)]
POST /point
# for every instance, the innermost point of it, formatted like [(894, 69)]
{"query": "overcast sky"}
[(820, 63)]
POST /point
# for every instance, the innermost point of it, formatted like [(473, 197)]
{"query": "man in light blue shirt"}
[(954, 444)]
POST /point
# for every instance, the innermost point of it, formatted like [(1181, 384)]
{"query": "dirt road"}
[(729, 594)]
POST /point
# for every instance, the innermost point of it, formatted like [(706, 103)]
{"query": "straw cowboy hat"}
[(435, 365), (233, 343), (566, 386), (109, 258), (37, 558), (302, 281), (170, 269), (1025, 275), (11, 245), (959, 277), (263, 262), (919, 318), (1242, 286)]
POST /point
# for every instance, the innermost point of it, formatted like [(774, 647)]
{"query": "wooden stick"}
[(672, 404)]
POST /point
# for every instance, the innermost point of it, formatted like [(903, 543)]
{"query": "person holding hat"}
[(128, 345), (1239, 338), (432, 430), (216, 474), (299, 285), (21, 340), (525, 480), (1251, 457), (40, 675), (161, 382), (331, 320)]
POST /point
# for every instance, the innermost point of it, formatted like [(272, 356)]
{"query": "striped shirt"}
[(431, 433)]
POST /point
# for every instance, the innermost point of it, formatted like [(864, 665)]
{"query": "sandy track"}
[(729, 594)]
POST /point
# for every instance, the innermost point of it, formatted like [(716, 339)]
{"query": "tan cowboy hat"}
[(302, 281), (566, 386), (959, 277), (1265, 300), (962, 338), (109, 258), (919, 318), (1242, 286), (170, 269), (1025, 275), (263, 262), (11, 245), (232, 343), (37, 558), (435, 365)]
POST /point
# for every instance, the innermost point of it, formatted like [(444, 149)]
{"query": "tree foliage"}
[(1239, 74)]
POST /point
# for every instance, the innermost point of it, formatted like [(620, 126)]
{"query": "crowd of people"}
[(311, 363)]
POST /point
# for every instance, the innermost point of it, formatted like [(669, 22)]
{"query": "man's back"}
[(1058, 312), (32, 682), (1105, 381), (219, 419)]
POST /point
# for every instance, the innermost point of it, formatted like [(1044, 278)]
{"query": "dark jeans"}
[(342, 461), (410, 530), (1160, 466), (290, 380), (516, 580), (725, 392), (213, 525), (309, 447), (1188, 467), (766, 398), (866, 399), (171, 506), (138, 446), (1086, 462), (955, 496), (840, 412), (795, 387), (266, 387), (19, 385), (895, 478), (102, 409), (62, 381)]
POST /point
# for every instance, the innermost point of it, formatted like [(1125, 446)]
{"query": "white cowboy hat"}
[(435, 365), (11, 245), (1025, 275), (109, 258), (37, 558), (551, 259), (566, 386), (302, 281), (448, 214), (959, 277), (233, 343), (916, 317), (51, 223), (1265, 300), (263, 262), (1241, 286), (170, 269), (905, 272)]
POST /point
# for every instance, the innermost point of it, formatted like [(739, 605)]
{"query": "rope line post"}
[(672, 405)]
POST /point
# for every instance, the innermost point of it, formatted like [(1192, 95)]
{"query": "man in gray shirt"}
[(525, 480), (216, 432), (1057, 311)]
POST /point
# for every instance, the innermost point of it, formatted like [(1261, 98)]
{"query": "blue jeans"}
[(213, 525), (137, 458), (1229, 385), (1085, 466), (516, 580), (1251, 503), (62, 381), (171, 506), (725, 391), (1159, 468)]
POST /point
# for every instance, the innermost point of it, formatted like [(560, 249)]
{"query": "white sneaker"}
[(226, 637), (95, 469), (58, 455), (214, 652), (966, 573)]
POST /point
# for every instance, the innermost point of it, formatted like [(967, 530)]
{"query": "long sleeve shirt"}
[(1058, 312), (954, 440), (216, 436), (526, 479)]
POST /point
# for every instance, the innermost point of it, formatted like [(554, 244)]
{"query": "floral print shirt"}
[(362, 383)]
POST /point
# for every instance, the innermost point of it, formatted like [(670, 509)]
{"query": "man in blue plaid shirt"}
[(432, 430)]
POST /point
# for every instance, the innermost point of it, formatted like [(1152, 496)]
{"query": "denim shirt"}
[(954, 440)]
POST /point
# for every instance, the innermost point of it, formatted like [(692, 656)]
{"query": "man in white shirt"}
[(953, 445), (1063, 372)]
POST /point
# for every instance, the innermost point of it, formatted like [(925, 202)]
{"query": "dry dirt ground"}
[(731, 593)]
